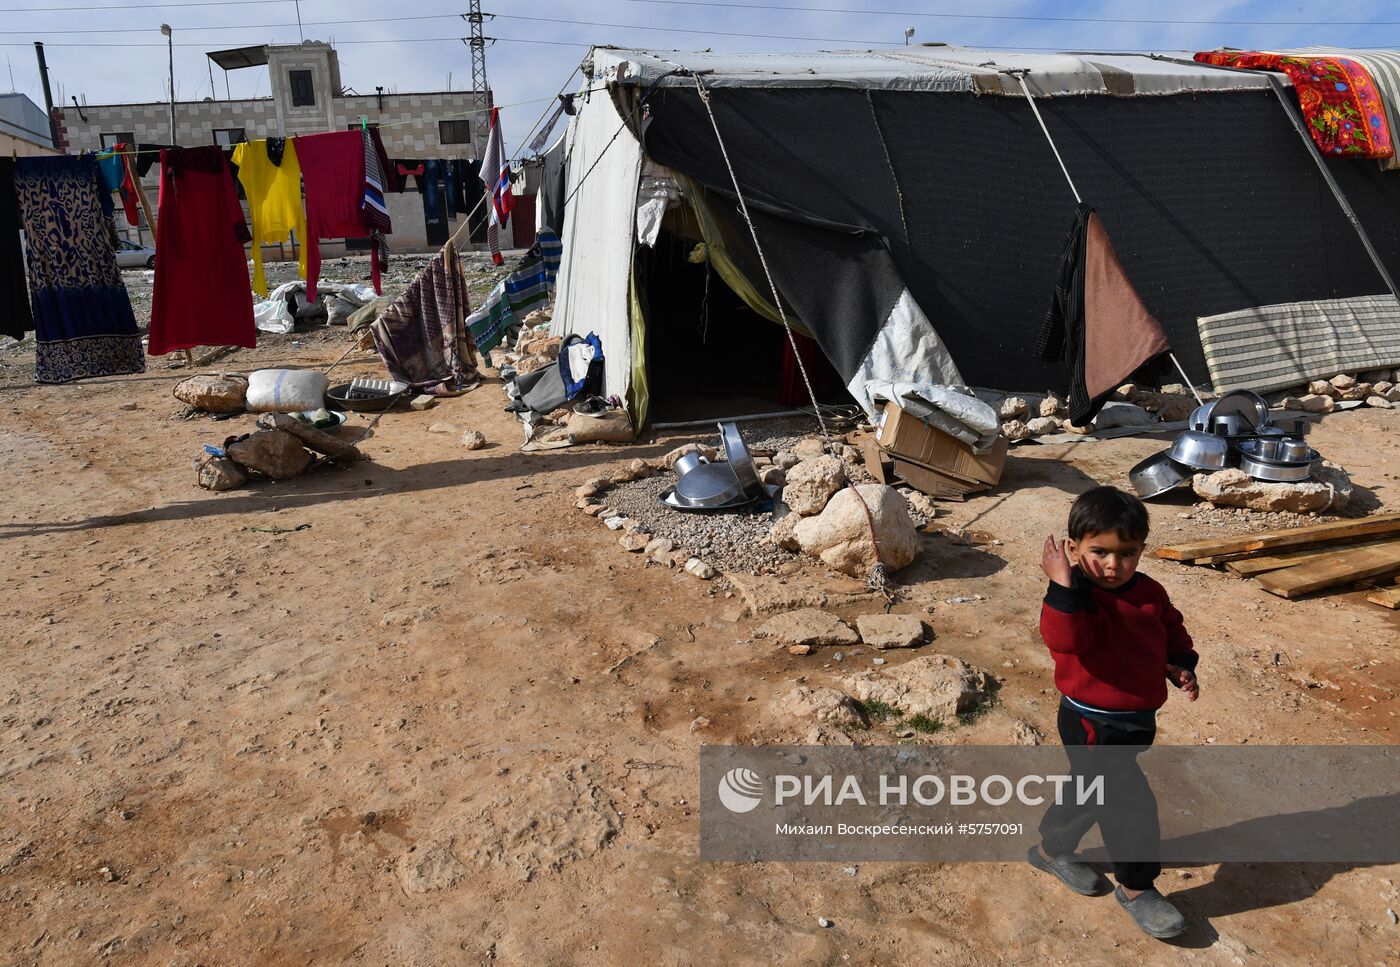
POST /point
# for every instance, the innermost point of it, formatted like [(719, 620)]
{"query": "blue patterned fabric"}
[(83, 322), (552, 249)]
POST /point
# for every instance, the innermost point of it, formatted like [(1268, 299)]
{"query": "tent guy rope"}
[(1020, 75)]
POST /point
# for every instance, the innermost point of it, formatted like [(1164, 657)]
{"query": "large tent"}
[(912, 213)]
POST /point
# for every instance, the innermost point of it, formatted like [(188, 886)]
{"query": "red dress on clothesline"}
[(203, 296)]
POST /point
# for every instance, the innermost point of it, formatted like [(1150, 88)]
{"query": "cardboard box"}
[(905, 435), (933, 483)]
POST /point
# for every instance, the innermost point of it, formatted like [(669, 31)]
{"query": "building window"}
[(454, 132), (110, 138), (224, 137), (303, 92)]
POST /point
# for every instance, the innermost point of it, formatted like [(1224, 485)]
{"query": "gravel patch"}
[(735, 540)]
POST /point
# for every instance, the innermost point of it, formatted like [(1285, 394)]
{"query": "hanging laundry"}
[(333, 169), (453, 189), (550, 213), (1096, 322), (537, 143), (410, 169), (480, 210), (431, 184), (495, 172), (513, 298), (271, 177), (202, 296), (115, 177), (552, 251), (423, 337), (147, 156), (466, 186), (1341, 103), (83, 322), (15, 318), (376, 209), (392, 182)]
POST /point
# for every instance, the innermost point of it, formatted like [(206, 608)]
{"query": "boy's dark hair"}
[(1105, 509)]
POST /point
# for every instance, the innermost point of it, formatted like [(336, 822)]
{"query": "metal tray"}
[(364, 401)]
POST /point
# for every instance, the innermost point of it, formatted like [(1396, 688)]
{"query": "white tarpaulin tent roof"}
[(604, 158)]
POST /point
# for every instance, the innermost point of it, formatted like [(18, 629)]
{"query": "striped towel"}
[(1276, 347), (552, 251), (376, 211)]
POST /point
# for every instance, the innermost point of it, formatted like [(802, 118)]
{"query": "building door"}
[(522, 221)]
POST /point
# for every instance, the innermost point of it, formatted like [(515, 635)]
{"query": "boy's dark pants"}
[(1129, 824)]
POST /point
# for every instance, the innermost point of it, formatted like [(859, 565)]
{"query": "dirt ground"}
[(450, 721)]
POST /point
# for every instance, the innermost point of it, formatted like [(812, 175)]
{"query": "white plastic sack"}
[(955, 413), (271, 315), (286, 390)]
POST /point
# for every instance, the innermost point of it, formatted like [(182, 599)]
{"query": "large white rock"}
[(784, 532), (936, 686), (214, 392), (812, 483), (1317, 403), (1328, 489), (841, 534)]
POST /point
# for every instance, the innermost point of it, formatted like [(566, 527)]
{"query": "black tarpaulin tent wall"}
[(887, 191)]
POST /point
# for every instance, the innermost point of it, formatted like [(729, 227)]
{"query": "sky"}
[(106, 51)]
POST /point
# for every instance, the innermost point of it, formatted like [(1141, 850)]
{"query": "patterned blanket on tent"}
[(1342, 105)]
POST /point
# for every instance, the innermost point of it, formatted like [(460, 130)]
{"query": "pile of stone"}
[(534, 348), (279, 450), (850, 526), (1028, 417), (1328, 490), (1323, 395)]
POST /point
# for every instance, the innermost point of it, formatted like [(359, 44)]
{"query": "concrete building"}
[(307, 98), (24, 127)]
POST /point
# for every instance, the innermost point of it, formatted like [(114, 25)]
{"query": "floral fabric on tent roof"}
[(1341, 105)]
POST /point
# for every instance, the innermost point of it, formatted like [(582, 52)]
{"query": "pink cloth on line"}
[(333, 170)]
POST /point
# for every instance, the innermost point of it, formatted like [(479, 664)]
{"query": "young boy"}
[(1116, 641)]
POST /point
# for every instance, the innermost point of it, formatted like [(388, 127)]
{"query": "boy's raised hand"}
[(1055, 562), (1184, 679)]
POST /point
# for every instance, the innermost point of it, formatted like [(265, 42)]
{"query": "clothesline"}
[(394, 124)]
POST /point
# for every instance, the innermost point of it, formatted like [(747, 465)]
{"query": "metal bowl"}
[(1158, 474), (687, 462), (1247, 404), (1203, 451), (708, 486), (737, 453)]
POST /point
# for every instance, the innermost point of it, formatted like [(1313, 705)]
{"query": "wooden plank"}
[(1263, 563), (1389, 598), (1342, 567), (1293, 537)]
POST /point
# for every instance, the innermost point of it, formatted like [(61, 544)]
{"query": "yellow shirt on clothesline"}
[(274, 201)]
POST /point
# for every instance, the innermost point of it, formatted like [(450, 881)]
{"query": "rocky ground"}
[(422, 710)]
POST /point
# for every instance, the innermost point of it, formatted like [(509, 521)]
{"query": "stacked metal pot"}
[(1236, 430)]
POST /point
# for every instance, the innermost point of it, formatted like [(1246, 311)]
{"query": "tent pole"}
[(1292, 113), (1186, 379)]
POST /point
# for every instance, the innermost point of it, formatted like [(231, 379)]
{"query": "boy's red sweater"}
[(1112, 647)]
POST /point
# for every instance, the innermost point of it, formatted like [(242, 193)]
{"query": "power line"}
[(501, 16), (338, 43), (995, 16), (143, 6)]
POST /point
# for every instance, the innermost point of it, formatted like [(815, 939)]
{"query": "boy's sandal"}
[(1079, 877), (1153, 912)]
